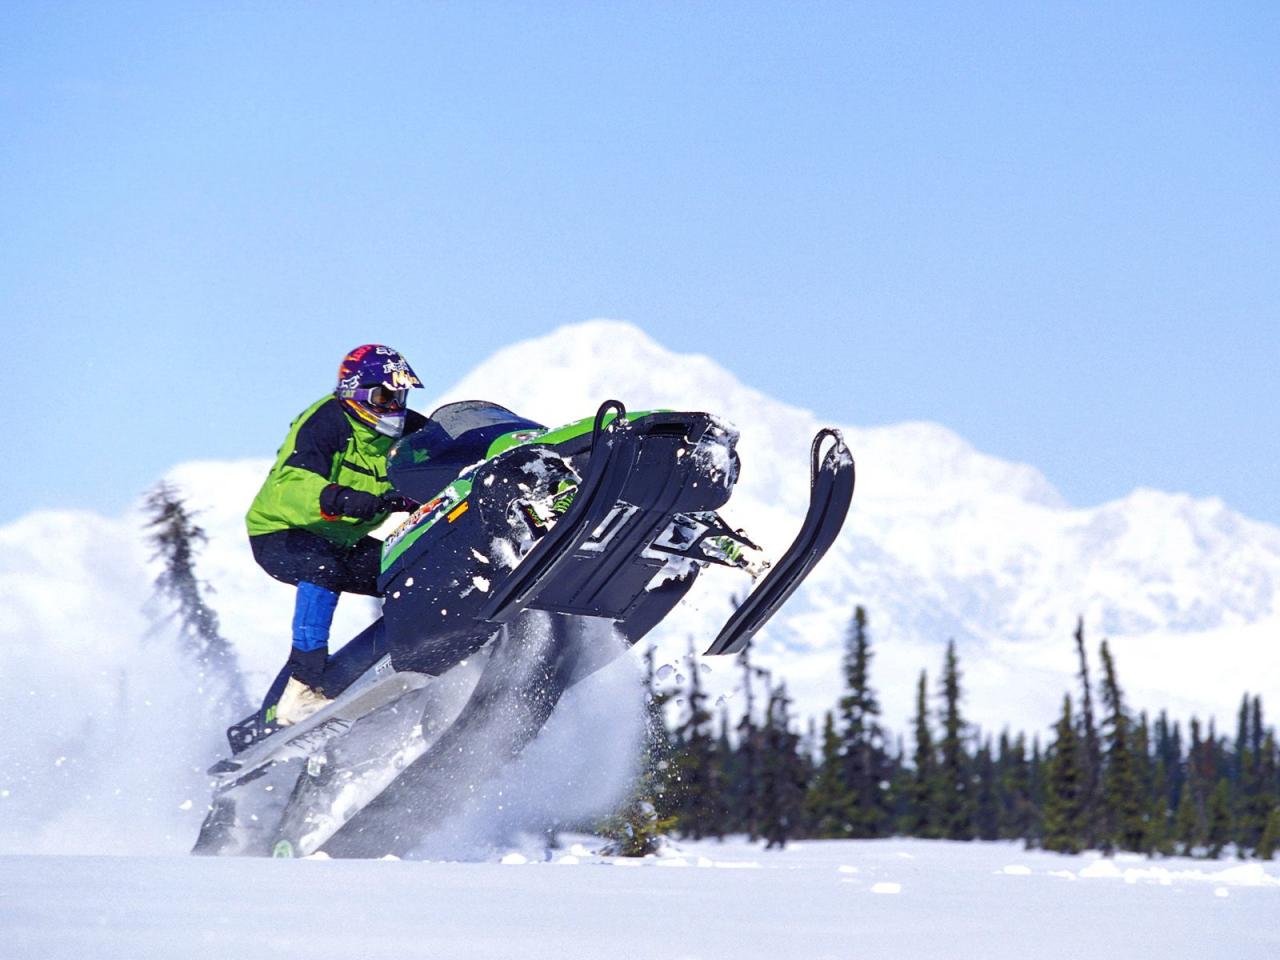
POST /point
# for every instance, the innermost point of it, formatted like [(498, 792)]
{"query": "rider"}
[(309, 524)]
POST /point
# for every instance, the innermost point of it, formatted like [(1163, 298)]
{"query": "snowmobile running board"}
[(831, 481), (380, 685)]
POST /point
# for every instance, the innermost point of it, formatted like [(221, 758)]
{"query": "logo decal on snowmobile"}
[(459, 510)]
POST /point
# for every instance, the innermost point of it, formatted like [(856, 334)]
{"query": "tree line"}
[(1108, 778)]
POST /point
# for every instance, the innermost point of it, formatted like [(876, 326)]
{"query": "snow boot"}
[(297, 702)]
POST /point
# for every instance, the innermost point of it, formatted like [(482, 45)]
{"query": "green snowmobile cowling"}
[(489, 544), (454, 444)]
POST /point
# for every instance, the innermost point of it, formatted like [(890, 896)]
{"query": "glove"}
[(393, 502), (337, 501)]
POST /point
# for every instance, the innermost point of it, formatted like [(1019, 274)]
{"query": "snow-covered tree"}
[(176, 538)]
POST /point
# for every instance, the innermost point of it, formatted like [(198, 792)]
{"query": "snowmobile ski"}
[(831, 482), (380, 685)]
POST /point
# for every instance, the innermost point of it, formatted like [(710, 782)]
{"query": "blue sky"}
[(1052, 228)]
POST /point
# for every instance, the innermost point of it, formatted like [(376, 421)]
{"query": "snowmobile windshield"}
[(455, 437)]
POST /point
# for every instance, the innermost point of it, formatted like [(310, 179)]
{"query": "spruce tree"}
[(782, 778), (749, 749), (1036, 777), (1251, 802), (924, 816), (865, 767), (176, 538), (1156, 839), (901, 788), (1188, 827), (1091, 750), (639, 825), (828, 801), (725, 768), (1218, 832), (1269, 842), (1017, 805), (1268, 800), (986, 803), (954, 778), (1122, 806), (699, 808), (1191, 821), (1064, 804), (636, 828)]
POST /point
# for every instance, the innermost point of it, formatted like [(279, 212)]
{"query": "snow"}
[(889, 899)]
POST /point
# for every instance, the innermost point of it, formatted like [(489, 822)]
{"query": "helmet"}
[(373, 385)]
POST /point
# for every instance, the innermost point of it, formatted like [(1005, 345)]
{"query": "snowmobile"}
[(537, 555)]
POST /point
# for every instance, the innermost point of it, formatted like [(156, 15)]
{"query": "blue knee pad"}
[(312, 616)]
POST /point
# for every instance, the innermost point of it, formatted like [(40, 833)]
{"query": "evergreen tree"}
[(782, 780), (1270, 839), (1064, 804), (1017, 805), (726, 779), (865, 766), (1176, 761), (1091, 750), (747, 789), (636, 828), (659, 749), (956, 812), (901, 788), (176, 538), (828, 801), (1268, 799), (1218, 833), (1191, 821), (1143, 762), (1036, 777), (986, 804), (1122, 806), (1188, 827), (923, 817), (1156, 837), (1251, 802), (698, 807)]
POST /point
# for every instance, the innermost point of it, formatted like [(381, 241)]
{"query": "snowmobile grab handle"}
[(600, 427)]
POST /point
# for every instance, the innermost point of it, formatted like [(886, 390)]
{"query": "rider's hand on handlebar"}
[(394, 502)]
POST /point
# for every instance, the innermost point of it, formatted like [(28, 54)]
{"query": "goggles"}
[(379, 398)]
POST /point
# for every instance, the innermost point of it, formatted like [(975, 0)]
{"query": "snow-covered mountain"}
[(942, 542)]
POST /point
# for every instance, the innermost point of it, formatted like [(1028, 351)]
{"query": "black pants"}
[(297, 556), (293, 556)]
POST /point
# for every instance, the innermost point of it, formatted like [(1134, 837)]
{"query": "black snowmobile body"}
[(526, 541)]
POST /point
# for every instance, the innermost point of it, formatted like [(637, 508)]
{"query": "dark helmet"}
[(373, 384)]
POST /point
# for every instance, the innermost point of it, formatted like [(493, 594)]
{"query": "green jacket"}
[(324, 447)]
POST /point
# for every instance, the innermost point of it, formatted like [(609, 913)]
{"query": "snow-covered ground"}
[(894, 899)]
